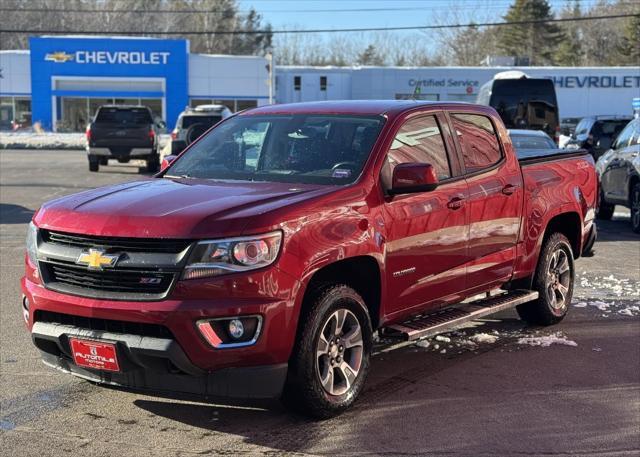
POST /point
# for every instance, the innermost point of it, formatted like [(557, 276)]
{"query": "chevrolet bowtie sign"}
[(110, 57)]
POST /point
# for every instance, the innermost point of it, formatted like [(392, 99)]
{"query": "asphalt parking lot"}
[(496, 388)]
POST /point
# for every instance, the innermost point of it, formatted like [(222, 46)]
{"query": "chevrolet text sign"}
[(77, 60), (124, 57)]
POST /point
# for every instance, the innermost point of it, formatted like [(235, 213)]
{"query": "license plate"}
[(94, 354)]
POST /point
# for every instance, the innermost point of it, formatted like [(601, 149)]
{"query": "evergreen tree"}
[(370, 56), (538, 42), (630, 46), (570, 51)]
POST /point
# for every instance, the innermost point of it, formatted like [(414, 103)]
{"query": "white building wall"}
[(228, 77), (463, 83), (15, 69)]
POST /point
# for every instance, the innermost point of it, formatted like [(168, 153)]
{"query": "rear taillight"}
[(152, 135), (88, 133), (174, 135), (556, 137)]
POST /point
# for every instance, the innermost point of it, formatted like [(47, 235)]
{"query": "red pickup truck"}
[(261, 261)]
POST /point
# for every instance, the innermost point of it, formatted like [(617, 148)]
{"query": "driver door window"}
[(419, 140)]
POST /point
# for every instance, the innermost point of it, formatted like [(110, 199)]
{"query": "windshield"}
[(306, 149), (135, 116), (532, 142)]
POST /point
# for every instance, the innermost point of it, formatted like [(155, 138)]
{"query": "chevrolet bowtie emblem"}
[(59, 57), (96, 259)]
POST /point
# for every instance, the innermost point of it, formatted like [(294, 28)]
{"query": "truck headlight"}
[(32, 243), (231, 255)]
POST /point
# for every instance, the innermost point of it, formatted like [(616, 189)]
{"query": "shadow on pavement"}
[(617, 229), (14, 214), (392, 387)]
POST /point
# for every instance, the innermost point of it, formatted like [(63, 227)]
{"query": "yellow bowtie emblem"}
[(96, 259)]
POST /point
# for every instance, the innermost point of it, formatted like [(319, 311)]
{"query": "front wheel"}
[(153, 163), (553, 280), (330, 362), (635, 208)]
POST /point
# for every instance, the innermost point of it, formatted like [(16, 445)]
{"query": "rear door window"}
[(478, 140), (419, 140)]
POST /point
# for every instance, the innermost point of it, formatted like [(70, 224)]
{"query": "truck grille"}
[(116, 284), (115, 243)]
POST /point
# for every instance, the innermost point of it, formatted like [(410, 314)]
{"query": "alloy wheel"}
[(558, 279), (339, 352)]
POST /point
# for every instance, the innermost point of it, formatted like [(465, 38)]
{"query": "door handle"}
[(455, 203), (509, 189)]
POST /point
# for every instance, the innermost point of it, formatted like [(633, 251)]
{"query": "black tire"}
[(634, 200), (153, 163), (94, 164), (548, 309), (304, 389), (123, 160), (605, 210), (195, 131)]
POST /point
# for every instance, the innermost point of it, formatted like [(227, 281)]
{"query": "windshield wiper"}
[(179, 177)]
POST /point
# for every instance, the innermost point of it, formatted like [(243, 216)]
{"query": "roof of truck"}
[(363, 107)]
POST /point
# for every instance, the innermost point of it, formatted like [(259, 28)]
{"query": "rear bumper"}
[(157, 364), (121, 152)]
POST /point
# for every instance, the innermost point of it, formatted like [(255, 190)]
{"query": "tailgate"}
[(105, 135)]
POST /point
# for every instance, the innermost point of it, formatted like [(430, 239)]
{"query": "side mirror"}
[(167, 161), (177, 146), (413, 177)]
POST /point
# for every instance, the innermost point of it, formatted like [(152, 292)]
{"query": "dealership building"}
[(60, 81)]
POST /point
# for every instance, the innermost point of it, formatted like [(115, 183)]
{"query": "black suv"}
[(596, 134), (123, 132)]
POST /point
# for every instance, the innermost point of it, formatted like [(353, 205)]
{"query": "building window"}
[(15, 113), (297, 82), (323, 83)]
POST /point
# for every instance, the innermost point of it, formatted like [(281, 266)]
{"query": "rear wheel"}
[(123, 159), (94, 163), (635, 208), (553, 280), (605, 210), (331, 359)]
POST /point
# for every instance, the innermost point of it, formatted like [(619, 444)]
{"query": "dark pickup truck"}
[(261, 260), (122, 132)]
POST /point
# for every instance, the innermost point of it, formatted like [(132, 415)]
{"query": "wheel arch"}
[(362, 273), (569, 224)]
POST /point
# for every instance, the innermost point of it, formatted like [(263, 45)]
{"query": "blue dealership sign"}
[(128, 60)]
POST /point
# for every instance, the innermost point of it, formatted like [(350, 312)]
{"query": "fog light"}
[(231, 332), (236, 329)]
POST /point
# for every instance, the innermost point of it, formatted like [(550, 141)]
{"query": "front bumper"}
[(156, 364)]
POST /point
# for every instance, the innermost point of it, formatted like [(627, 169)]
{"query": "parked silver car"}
[(193, 122), (619, 173)]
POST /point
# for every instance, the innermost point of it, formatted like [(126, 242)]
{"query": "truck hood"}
[(171, 208)]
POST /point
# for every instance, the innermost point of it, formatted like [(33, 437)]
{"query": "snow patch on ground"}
[(51, 140), (480, 338), (610, 286), (546, 341)]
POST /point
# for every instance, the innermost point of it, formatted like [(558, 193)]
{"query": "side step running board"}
[(426, 325)]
